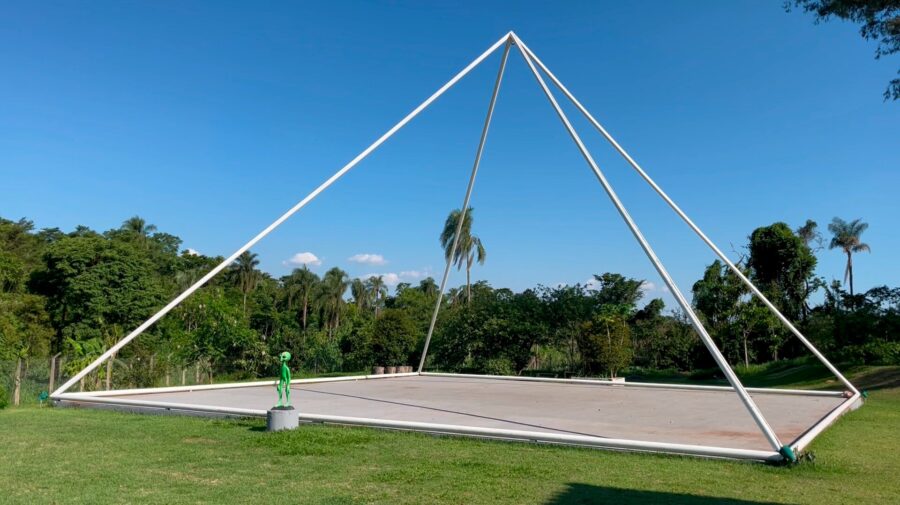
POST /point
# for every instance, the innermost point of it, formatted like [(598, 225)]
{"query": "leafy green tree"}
[(781, 265), (220, 334), (606, 343), (12, 273), (753, 325), (393, 337), (717, 296), (469, 249), (879, 20), (24, 332), (91, 282), (19, 243), (846, 237), (616, 289)]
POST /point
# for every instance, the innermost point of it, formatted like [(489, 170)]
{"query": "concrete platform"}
[(698, 417)]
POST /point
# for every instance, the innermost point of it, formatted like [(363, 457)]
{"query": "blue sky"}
[(211, 119)]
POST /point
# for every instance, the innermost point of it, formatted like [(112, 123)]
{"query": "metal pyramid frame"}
[(779, 450)]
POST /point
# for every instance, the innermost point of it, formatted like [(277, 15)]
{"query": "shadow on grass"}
[(586, 494), (880, 378)]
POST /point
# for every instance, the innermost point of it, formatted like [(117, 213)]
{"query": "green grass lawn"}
[(87, 456)]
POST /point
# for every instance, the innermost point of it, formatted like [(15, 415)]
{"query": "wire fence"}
[(26, 379)]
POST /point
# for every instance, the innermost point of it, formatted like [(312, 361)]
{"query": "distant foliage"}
[(74, 295), (879, 20)]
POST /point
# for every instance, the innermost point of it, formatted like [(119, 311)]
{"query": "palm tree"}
[(331, 297), (846, 236), (139, 227), (246, 275), (469, 248), (455, 295), (301, 285), (360, 293), (377, 291), (809, 234), (428, 287)]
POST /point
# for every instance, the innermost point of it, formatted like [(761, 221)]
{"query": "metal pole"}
[(212, 273), (435, 428), (465, 205), (691, 224), (698, 326)]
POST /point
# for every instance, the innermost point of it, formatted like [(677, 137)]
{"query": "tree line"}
[(74, 294)]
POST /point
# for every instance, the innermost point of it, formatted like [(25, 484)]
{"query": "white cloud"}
[(390, 278), (650, 287), (192, 252), (303, 258), (367, 259), (393, 278)]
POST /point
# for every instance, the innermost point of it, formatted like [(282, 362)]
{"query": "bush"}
[(394, 337), (499, 366), (878, 352), (605, 345), (4, 398)]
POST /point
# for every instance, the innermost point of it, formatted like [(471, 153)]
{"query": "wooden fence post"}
[(18, 383)]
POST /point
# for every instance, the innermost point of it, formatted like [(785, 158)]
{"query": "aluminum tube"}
[(186, 407), (465, 205), (533, 436), (649, 385), (698, 326), (691, 224), (233, 385), (804, 440), (536, 436), (212, 273)]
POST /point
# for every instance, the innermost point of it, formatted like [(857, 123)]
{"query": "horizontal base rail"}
[(448, 429), (232, 385), (605, 382), (803, 441), (110, 398)]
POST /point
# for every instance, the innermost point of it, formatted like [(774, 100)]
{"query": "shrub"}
[(393, 338), (605, 344), (499, 366), (4, 398)]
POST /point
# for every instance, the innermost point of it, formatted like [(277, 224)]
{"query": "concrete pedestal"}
[(282, 418)]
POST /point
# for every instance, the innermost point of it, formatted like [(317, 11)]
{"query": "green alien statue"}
[(284, 383)]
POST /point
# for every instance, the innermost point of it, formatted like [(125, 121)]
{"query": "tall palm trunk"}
[(305, 309), (850, 270), (469, 280), (245, 304)]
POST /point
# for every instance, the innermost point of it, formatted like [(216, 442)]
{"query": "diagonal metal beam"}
[(745, 398), (737, 271), (465, 205), (302, 203)]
